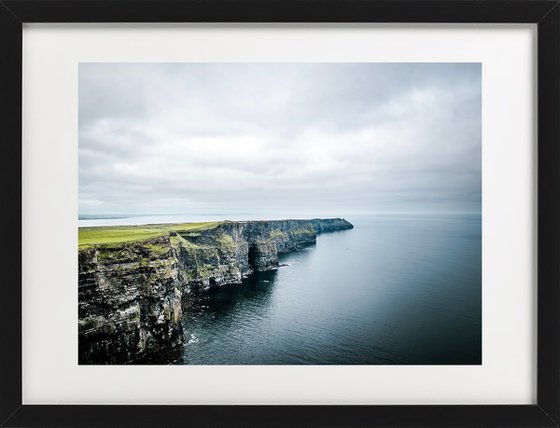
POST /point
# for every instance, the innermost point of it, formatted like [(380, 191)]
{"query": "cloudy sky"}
[(289, 139)]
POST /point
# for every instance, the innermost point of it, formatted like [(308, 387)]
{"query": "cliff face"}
[(129, 302), (130, 293)]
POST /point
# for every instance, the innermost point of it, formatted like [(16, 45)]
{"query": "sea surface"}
[(396, 289)]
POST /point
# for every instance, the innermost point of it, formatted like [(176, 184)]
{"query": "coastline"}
[(132, 284)]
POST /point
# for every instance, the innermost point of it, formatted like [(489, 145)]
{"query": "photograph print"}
[(280, 214)]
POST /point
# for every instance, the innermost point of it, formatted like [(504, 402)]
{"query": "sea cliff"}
[(130, 291)]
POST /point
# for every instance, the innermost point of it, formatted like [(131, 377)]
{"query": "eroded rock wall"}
[(129, 303)]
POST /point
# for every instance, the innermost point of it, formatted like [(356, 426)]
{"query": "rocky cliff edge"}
[(130, 293)]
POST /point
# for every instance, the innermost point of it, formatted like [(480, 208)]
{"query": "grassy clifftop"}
[(275, 229), (88, 236)]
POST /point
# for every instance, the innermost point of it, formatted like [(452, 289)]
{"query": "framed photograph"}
[(281, 213)]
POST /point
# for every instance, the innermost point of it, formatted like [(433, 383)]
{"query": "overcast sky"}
[(290, 139)]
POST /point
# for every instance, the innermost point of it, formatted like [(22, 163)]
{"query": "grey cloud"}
[(180, 138)]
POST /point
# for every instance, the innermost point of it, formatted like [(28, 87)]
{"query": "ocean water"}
[(394, 290)]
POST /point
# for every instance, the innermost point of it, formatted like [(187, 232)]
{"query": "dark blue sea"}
[(396, 289)]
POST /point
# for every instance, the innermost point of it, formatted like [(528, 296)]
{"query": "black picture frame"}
[(544, 13)]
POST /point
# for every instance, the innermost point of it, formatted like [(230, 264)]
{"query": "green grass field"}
[(88, 236)]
